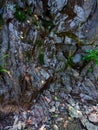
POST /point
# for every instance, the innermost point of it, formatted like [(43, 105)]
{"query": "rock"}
[(77, 58), (53, 109), (55, 127), (80, 13), (10, 10), (52, 86), (89, 7), (45, 74), (60, 67), (68, 50), (79, 18), (88, 125), (74, 73), (60, 56), (93, 117), (67, 83), (58, 40), (56, 5), (90, 88), (74, 124), (74, 112), (85, 97), (95, 72), (33, 2), (69, 40)]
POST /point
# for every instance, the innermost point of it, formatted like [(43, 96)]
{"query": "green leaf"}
[(6, 55), (97, 61), (3, 70)]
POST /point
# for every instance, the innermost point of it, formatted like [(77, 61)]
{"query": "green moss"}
[(20, 15), (2, 69), (69, 61), (91, 55), (90, 69)]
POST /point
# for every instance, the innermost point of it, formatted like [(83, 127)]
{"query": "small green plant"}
[(69, 61), (29, 12), (2, 69), (91, 55), (20, 15)]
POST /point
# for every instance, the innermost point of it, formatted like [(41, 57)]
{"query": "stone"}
[(88, 125), (67, 84), (95, 72), (53, 109), (60, 66), (56, 5), (74, 112), (76, 58), (93, 117)]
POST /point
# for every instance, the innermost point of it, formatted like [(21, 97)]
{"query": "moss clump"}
[(91, 55), (20, 15)]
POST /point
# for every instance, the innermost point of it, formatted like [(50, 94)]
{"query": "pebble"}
[(55, 127)]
